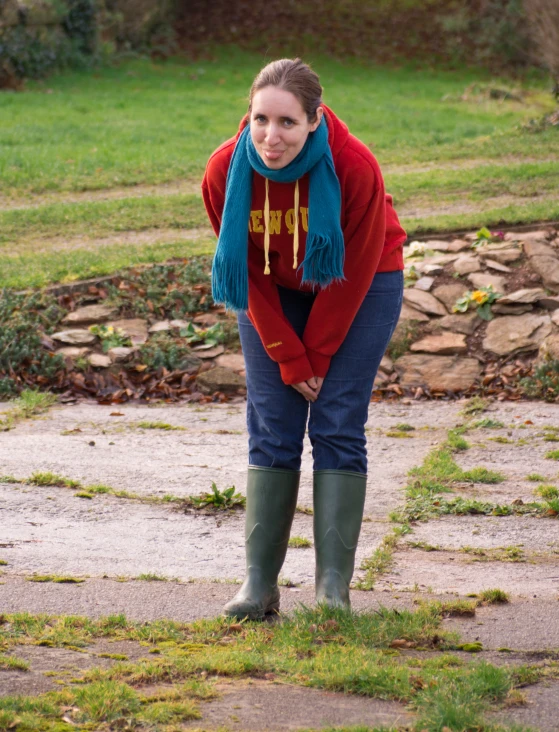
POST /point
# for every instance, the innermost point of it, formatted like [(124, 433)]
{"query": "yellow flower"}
[(479, 297)]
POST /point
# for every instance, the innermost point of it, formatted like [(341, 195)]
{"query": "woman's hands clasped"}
[(310, 389)]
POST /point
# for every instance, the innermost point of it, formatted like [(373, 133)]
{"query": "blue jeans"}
[(277, 414)]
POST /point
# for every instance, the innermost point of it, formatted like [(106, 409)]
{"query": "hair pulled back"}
[(295, 76)]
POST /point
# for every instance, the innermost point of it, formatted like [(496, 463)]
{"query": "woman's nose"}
[(272, 135)]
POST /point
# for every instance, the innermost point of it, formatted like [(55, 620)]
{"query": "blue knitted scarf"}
[(324, 254)]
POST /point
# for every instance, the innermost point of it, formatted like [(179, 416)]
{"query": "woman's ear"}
[(319, 113)]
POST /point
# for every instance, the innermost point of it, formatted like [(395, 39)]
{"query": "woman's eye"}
[(288, 122), (260, 118)]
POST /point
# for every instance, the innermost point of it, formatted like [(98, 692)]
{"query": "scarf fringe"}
[(324, 260), (230, 282)]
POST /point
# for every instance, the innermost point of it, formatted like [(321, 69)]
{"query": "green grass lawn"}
[(146, 123)]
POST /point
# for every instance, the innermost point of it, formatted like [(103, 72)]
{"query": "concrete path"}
[(110, 541)]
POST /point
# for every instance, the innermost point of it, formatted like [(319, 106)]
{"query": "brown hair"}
[(295, 76)]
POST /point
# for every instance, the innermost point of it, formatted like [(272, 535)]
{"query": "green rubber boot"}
[(339, 499), (271, 502)]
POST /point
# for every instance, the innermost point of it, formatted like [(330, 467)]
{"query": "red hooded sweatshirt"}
[(373, 243)]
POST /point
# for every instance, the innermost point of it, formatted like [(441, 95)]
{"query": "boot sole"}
[(273, 608)]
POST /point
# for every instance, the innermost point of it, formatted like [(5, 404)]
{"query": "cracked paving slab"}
[(50, 530)]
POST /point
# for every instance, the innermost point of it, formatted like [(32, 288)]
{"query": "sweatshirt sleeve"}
[(336, 306), (279, 339)]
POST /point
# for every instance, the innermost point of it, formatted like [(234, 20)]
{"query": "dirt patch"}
[(465, 164), (415, 210), (137, 238), (186, 187)]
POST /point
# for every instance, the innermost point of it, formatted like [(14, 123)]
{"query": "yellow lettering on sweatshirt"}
[(275, 222), (304, 218), (256, 221), (290, 220), (273, 345)]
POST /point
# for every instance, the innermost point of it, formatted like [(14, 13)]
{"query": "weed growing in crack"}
[(11, 663), (151, 577), (146, 425), (494, 597), (455, 441), (221, 500), (381, 559), (488, 424), (57, 579), (552, 455), (403, 427), (299, 542), (475, 405), (536, 477), (28, 404), (547, 491)]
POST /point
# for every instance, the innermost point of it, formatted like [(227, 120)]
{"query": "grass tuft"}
[(475, 405), (28, 404), (536, 477), (494, 597), (299, 542), (146, 425)]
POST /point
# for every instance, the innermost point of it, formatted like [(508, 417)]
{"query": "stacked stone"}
[(451, 348)]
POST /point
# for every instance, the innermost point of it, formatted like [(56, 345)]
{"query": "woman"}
[(310, 255)]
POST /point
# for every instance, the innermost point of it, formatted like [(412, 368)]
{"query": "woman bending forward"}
[(310, 255)]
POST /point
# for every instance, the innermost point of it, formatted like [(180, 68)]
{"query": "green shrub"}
[(23, 360), (174, 291), (32, 48), (544, 384)]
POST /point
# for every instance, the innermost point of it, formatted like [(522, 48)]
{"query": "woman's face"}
[(279, 126)]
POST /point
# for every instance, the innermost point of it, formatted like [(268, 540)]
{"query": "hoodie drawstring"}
[(267, 228)]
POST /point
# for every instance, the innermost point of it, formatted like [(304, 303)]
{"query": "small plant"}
[(220, 500), (488, 424), (9, 663), (493, 597), (547, 491), (58, 579), (403, 427), (424, 546), (544, 383), (484, 236), (399, 434), (415, 249), (456, 442), (411, 276), (536, 477), (481, 299), (27, 405), (208, 336), (151, 577), (299, 542), (146, 425), (552, 455), (110, 336), (475, 405), (51, 479)]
